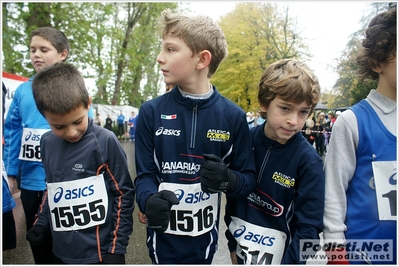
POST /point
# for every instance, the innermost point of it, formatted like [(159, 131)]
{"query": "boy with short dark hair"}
[(192, 145), (89, 199), (287, 205)]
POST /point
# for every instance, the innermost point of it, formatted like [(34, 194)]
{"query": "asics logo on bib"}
[(191, 198), (33, 137), (73, 193), (393, 179), (253, 237), (162, 131)]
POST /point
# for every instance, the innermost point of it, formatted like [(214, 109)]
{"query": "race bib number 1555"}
[(76, 205)]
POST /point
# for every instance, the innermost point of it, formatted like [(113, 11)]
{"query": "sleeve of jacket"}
[(339, 167), (146, 182), (123, 203), (242, 160), (43, 213), (12, 136), (307, 221)]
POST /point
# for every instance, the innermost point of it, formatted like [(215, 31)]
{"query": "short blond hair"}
[(198, 32)]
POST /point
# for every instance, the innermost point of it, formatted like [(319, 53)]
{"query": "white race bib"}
[(30, 144), (385, 180), (196, 213), (256, 244), (78, 204)]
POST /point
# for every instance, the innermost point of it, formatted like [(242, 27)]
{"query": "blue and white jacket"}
[(363, 218), (286, 206), (173, 132), (23, 128), (23, 115)]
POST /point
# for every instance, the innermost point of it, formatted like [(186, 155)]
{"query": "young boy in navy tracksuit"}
[(89, 199), (287, 204)]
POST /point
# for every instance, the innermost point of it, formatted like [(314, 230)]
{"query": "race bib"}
[(30, 144), (257, 245), (386, 187), (196, 212), (76, 205)]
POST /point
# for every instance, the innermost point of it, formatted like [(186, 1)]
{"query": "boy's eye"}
[(78, 122), (58, 127)]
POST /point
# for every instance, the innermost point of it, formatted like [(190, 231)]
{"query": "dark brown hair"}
[(379, 44), (59, 89)]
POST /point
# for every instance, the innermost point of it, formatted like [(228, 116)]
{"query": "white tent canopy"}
[(114, 111)]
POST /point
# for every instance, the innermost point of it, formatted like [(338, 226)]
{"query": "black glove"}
[(36, 234), (216, 176), (158, 208), (114, 259)]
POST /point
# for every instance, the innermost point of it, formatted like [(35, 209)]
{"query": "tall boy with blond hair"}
[(192, 146)]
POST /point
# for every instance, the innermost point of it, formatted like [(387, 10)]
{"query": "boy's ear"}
[(64, 54), (377, 69), (262, 108), (89, 103), (204, 59)]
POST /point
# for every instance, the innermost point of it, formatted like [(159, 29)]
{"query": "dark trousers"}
[(120, 129), (320, 144), (59, 261), (9, 234), (31, 200)]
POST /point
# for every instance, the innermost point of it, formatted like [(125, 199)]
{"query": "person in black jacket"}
[(286, 207), (89, 199), (319, 128)]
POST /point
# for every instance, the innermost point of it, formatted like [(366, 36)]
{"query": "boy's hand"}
[(158, 209), (337, 257), (36, 234), (216, 176), (142, 217), (114, 259), (233, 257)]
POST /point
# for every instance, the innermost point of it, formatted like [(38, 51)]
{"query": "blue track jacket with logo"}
[(289, 195), (23, 114), (97, 152), (173, 132)]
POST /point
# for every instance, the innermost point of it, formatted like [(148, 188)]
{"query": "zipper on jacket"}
[(262, 167), (193, 127)]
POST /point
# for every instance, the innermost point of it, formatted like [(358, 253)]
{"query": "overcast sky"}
[(326, 28)]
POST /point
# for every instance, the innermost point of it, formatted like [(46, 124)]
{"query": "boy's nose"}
[(71, 132), (293, 119)]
